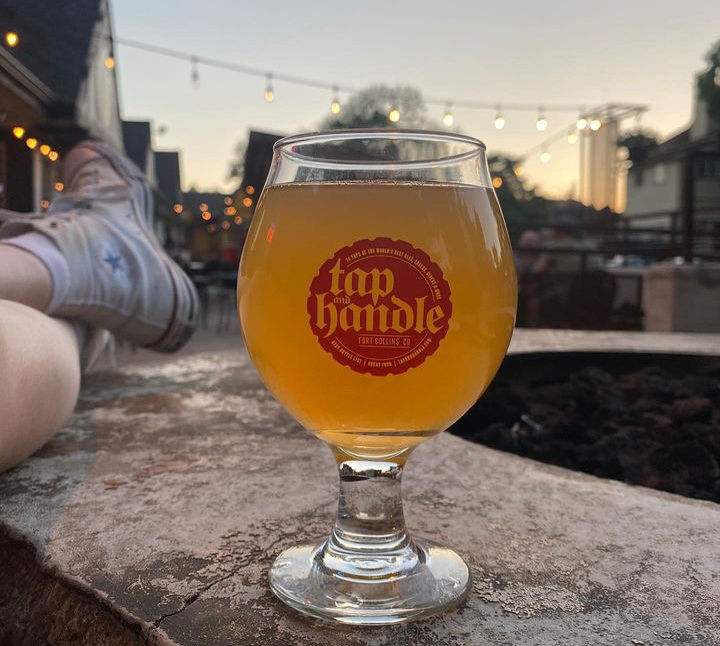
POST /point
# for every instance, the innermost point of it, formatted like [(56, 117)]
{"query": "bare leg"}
[(39, 373), (25, 279)]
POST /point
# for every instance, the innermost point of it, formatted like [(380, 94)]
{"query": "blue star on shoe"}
[(115, 262)]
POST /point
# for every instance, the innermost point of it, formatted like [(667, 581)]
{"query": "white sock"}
[(45, 250)]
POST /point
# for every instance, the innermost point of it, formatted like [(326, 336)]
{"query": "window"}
[(708, 167), (659, 174)]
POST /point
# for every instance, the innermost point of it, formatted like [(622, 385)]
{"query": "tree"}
[(639, 143), (522, 207), (369, 108), (709, 82)]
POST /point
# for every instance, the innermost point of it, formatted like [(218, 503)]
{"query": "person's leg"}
[(39, 377), (25, 278)]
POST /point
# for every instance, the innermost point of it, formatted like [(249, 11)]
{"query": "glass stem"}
[(369, 539)]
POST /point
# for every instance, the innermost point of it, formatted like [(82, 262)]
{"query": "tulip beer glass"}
[(377, 298)]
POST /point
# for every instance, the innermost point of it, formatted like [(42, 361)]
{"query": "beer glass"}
[(377, 297)]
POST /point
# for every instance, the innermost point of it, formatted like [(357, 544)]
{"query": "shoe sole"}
[(185, 314)]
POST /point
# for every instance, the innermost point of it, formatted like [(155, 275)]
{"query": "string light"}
[(11, 38), (228, 201), (44, 150), (247, 202), (109, 62), (230, 210), (18, 132), (203, 206), (31, 142), (335, 103), (194, 73), (238, 219), (44, 204), (582, 123), (211, 228), (572, 137), (178, 208), (541, 123), (206, 215), (52, 155), (499, 119), (497, 182), (448, 117), (59, 187), (545, 156), (269, 93), (225, 225), (595, 125), (519, 171), (250, 190)]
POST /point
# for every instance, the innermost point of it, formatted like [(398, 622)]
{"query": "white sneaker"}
[(120, 278)]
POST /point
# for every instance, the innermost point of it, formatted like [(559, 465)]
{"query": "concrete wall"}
[(682, 298)]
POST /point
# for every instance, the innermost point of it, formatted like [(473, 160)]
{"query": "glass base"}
[(424, 580)]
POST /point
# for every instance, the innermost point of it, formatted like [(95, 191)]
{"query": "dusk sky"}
[(538, 52)]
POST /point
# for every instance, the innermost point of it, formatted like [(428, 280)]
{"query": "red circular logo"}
[(379, 306)]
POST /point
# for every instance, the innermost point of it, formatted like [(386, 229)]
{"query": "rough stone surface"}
[(154, 515)]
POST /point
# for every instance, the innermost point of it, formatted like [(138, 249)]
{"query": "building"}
[(169, 189), (162, 169), (218, 225), (57, 86), (258, 157), (677, 186)]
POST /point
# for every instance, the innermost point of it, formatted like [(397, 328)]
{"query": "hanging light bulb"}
[(31, 142), (545, 156), (269, 93), (581, 123), (194, 73), (44, 150), (497, 181), (595, 125), (394, 115), (335, 103), (109, 62), (541, 123), (11, 38), (52, 155), (448, 117), (519, 170), (499, 119), (572, 137), (18, 132)]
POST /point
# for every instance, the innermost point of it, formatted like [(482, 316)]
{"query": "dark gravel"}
[(646, 427)]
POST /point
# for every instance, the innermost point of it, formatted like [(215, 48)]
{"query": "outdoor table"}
[(153, 516)]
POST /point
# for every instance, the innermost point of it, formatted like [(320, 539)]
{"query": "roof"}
[(167, 170), (55, 42), (676, 147), (137, 142), (258, 156)]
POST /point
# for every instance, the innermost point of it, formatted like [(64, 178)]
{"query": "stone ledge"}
[(154, 515)]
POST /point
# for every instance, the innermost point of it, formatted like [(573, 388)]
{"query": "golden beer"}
[(451, 235)]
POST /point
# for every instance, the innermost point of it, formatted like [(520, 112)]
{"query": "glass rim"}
[(284, 146)]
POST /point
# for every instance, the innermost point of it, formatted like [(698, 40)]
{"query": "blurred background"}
[(602, 125)]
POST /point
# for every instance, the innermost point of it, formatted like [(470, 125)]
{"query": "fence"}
[(591, 277)]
